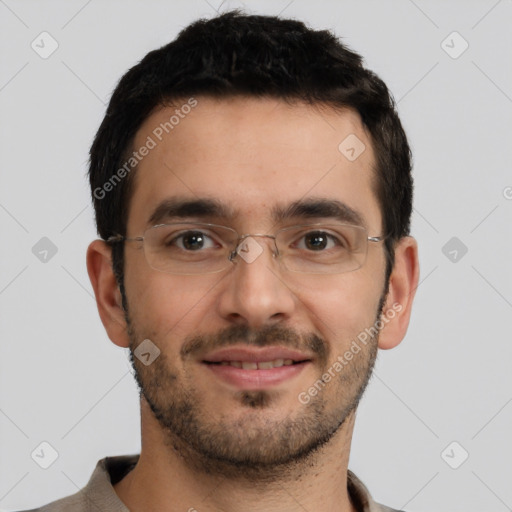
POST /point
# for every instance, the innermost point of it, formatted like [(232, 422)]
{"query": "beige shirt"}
[(99, 494)]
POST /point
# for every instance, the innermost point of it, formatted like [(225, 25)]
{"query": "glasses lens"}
[(189, 248), (195, 248), (323, 249)]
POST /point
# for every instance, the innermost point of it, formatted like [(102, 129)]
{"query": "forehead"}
[(255, 156)]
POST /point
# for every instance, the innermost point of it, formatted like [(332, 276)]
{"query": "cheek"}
[(167, 306), (340, 310)]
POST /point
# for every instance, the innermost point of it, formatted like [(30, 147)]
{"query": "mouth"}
[(260, 365), (254, 369)]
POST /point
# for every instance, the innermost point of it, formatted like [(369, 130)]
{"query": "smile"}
[(263, 365)]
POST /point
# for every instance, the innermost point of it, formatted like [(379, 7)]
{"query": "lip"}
[(255, 379), (255, 355)]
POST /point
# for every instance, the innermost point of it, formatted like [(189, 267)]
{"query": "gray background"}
[(63, 382)]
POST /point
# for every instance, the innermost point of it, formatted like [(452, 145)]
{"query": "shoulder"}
[(99, 493), (74, 502), (362, 498)]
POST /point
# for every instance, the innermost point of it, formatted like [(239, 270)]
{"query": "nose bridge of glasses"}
[(249, 249)]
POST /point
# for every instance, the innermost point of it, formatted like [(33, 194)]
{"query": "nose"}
[(255, 292)]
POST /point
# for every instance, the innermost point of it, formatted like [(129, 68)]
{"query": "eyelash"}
[(331, 237)]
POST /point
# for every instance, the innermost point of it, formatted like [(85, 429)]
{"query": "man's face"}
[(252, 156)]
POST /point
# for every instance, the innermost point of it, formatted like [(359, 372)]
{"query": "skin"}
[(250, 154)]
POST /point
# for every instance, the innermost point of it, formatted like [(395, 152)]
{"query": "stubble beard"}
[(251, 447)]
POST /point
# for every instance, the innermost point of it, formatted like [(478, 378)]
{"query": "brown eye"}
[(191, 241), (316, 241)]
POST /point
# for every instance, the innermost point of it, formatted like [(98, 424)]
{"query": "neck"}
[(168, 479)]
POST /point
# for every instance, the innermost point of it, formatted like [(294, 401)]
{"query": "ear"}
[(402, 288), (106, 290)]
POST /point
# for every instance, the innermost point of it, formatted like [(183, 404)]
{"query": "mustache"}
[(266, 336)]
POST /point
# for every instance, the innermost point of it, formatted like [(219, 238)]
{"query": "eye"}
[(318, 241), (191, 241)]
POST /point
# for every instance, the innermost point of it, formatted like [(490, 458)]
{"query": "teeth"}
[(264, 365), (268, 365)]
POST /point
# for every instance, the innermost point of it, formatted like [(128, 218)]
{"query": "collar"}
[(111, 470)]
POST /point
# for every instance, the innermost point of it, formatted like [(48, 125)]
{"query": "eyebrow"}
[(177, 208), (312, 208), (181, 208)]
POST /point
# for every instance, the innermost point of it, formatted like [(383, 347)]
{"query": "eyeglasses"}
[(199, 248)]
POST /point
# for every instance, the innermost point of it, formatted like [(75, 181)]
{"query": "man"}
[(252, 187)]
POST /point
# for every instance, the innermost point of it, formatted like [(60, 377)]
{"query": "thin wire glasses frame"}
[(163, 254)]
